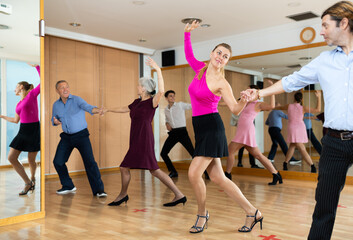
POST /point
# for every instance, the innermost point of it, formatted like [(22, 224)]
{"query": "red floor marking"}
[(140, 210), (271, 237), (341, 206)]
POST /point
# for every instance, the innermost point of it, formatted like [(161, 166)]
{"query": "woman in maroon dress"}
[(141, 151)]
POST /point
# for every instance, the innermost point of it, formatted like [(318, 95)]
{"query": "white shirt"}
[(334, 71), (175, 115)]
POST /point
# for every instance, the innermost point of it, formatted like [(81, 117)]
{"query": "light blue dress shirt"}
[(72, 114), (334, 71), (274, 119)]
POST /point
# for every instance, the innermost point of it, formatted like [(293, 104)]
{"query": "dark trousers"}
[(314, 140), (240, 157), (277, 138), (176, 135), (80, 141), (336, 158)]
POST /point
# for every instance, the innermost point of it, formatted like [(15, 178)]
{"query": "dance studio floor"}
[(286, 208)]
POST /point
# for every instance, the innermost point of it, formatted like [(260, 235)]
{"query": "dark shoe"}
[(255, 166), (118, 203), (313, 168), (28, 187), (206, 176), (248, 229), (200, 229), (285, 167), (276, 178), (228, 175), (65, 190), (173, 174), (101, 194), (172, 204), (240, 165)]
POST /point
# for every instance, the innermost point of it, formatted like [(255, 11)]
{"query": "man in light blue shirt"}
[(69, 112), (310, 133), (274, 122), (334, 71)]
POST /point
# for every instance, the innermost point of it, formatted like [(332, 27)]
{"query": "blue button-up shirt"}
[(274, 119), (334, 71), (72, 113)]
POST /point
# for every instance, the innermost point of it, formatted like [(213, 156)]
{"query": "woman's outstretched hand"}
[(150, 62), (192, 26)]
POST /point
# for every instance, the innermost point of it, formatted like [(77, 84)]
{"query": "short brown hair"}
[(60, 81), (340, 10)]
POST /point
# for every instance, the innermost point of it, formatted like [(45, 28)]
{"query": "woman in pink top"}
[(296, 133), (206, 89), (28, 137), (245, 136)]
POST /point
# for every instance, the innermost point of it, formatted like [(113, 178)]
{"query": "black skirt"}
[(210, 138), (27, 138)]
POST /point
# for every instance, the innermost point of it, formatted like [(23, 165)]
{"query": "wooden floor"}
[(286, 208)]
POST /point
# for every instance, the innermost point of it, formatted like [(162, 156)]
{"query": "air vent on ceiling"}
[(294, 66), (303, 16)]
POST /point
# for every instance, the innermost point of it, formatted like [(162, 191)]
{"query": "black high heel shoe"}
[(172, 204), (248, 229), (285, 166), (28, 187), (200, 229), (118, 203), (276, 178)]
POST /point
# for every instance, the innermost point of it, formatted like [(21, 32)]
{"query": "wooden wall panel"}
[(101, 76)]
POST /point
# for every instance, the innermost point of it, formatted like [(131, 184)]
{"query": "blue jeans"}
[(314, 140), (79, 140), (277, 138)]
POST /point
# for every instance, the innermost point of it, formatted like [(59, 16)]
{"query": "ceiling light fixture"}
[(4, 27), (142, 40), (139, 3), (75, 24), (205, 25), (305, 58), (190, 20)]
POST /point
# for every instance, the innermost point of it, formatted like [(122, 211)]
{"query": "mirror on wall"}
[(19, 54), (273, 67)]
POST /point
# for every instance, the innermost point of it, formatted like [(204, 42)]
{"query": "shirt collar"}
[(169, 107), (70, 96)]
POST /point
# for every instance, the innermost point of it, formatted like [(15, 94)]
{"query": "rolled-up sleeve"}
[(84, 105)]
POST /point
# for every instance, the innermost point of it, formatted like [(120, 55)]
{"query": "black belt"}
[(343, 135)]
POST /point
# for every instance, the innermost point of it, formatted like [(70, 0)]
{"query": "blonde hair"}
[(202, 71), (26, 86), (340, 10)]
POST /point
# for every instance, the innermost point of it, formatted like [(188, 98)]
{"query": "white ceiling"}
[(159, 21)]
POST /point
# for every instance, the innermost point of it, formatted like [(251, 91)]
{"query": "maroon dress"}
[(141, 150)]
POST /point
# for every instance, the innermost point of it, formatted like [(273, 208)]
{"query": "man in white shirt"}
[(176, 125)]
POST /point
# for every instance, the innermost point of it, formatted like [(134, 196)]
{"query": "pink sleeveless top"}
[(245, 129), (27, 108), (203, 101)]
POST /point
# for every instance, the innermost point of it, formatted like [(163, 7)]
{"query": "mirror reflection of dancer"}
[(141, 153), (245, 137), (309, 130), (28, 136), (176, 125), (296, 131), (333, 70), (69, 112), (206, 89)]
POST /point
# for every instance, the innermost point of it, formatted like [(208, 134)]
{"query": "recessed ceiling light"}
[(293, 4), (4, 27), (305, 58), (205, 25), (190, 20), (237, 63), (263, 68), (142, 40), (138, 3), (75, 24)]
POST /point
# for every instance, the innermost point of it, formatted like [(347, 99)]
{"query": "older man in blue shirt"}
[(334, 71), (69, 112)]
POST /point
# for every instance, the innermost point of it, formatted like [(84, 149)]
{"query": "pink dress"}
[(296, 128), (246, 130)]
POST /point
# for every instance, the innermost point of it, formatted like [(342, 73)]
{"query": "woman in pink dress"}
[(296, 133), (245, 136), (206, 89), (28, 137), (141, 153)]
